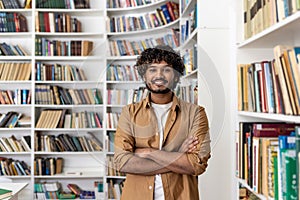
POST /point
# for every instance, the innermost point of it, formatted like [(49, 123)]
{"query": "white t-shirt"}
[(161, 112)]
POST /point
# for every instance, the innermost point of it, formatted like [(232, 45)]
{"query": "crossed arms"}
[(148, 161)]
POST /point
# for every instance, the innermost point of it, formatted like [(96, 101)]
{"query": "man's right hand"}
[(189, 145)]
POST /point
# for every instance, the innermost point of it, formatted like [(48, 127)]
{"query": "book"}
[(74, 188), (4, 193)]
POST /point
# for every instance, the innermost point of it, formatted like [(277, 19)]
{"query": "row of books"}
[(56, 22), (10, 4), (267, 154), (114, 188), (12, 144), (11, 167), (135, 47), (271, 86), (54, 190), (13, 22), (112, 120), (52, 94), (188, 92), (10, 119), (189, 24), (259, 15), (12, 50), (48, 166), (17, 96), (189, 57), (122, 73), (63, 119), (163, 15), (13, 71), (110, 167), (58, 72), (128, 3), (124, 97), (63, 4), (46, 47), (66, 142)]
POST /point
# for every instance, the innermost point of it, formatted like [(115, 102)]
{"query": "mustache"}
[(159, 79)]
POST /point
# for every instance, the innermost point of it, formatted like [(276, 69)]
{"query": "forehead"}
[(161, 64)]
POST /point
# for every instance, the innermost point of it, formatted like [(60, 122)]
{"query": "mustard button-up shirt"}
[(137, 128)]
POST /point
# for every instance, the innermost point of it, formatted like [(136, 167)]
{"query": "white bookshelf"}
[(257, 48)]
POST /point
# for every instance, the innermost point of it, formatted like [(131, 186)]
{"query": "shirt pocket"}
[(146, 136)]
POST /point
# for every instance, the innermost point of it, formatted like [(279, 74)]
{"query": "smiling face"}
[(160, 78)]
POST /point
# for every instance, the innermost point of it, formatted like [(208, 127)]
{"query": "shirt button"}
[(150, 187)]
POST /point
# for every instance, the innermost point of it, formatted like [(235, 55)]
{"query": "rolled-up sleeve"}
[(124, 140), (200, 128)]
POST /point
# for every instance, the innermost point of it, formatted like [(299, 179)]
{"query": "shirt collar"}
[(175, 104)]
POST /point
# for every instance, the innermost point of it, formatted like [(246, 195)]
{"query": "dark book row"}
[(10, 119), (58, 72), (64, 4), (13, 22), (10, 4), (56, 22), (11, 167), (46, 47), (66, 142), (52, 94), (163, 15), (48, 166), (136, 47), (127, 4), (11, 50), (54, 190)]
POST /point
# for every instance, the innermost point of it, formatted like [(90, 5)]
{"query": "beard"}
[(158, 91)]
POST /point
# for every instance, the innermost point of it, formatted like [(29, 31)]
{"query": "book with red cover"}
[(74, 188), (272, 129)]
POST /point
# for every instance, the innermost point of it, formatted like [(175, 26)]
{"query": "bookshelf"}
[(259, 47), (90, 61)]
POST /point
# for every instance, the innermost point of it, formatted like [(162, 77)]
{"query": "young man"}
[(162, 142)]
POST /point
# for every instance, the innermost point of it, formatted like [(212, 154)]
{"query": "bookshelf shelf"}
[(16, 153), (69, 58), (186, 8), (18, 177), (72, 34), (17, 10), (17, 34), (70, 106), (97, 153), (86, 12), (147, 6), (69, 129), (124, 58), (243, 182), (271, 36), (193, 74), (15, 58), (152, 30), (273, 117), (15, 129)]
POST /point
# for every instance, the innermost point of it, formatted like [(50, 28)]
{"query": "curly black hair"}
[(158, 54)]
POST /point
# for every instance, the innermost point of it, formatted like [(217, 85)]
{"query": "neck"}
[(162, 98)]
